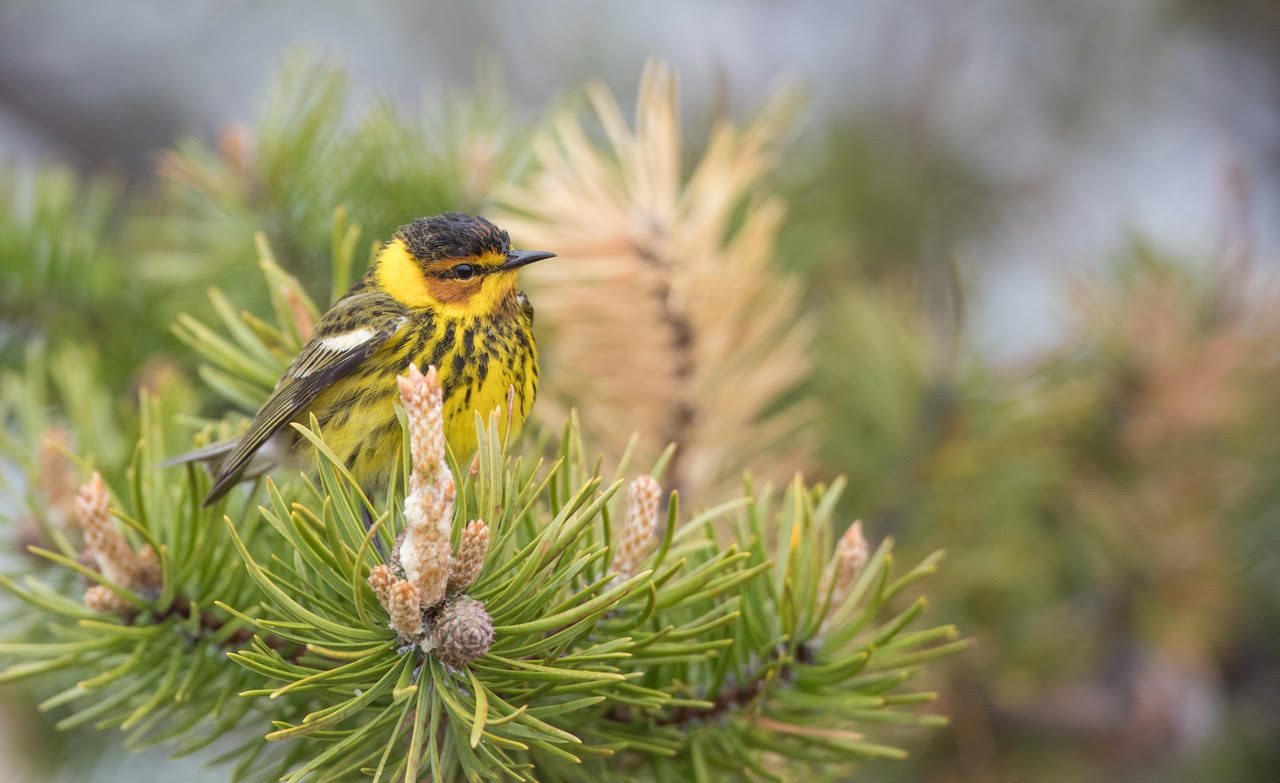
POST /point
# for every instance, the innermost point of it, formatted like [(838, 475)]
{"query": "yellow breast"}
[(481, 363)]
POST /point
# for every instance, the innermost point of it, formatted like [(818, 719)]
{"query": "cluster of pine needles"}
[(512, 619)]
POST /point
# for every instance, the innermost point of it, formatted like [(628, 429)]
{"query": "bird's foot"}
[(367, 516)]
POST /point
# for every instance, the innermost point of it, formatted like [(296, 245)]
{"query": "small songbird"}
[(442, 292)]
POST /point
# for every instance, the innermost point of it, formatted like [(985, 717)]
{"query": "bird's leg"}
[(367, 516)]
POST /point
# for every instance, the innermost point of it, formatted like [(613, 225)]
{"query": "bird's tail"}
[(212, 456)]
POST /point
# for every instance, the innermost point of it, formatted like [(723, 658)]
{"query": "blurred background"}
[(1033, 244)]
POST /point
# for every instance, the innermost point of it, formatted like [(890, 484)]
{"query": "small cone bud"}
[(462, 632), (405, 610), (101, 600), (381, 578), (472, 549), (852, 553), (400, 598), (116, 559), (635, 539)]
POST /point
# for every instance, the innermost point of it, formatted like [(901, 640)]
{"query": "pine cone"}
[(462, 632)]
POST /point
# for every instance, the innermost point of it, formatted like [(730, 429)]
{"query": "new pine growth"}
[(458, 630)]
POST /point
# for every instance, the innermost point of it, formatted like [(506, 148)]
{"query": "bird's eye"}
[(464, 271)]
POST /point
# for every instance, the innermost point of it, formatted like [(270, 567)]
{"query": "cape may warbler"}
[(442, 292)]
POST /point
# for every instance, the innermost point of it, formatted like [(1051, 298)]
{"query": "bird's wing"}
[(352, 330)]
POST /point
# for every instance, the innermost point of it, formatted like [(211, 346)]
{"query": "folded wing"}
[(352, 331)]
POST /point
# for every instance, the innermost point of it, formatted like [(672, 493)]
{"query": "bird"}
[(442, 292)]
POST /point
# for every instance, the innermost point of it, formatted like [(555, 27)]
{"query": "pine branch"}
[(513, 620), (62, 262), (142, 653)]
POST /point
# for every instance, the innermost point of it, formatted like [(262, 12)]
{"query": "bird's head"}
[(456, 263)]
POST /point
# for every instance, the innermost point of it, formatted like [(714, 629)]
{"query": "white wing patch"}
[(341, 343), (317, 356)]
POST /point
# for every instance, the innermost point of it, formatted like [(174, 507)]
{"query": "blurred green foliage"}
[(1110, 509), (868, 199), (65, 275), (314, 150)]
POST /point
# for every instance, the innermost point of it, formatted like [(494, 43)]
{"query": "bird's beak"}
[(519, 258)]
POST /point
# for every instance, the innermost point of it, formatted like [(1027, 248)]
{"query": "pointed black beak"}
[(519, 258)]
